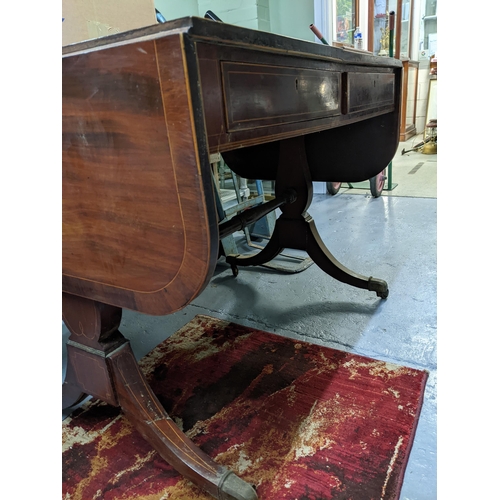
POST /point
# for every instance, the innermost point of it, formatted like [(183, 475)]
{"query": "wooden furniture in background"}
[(142, 112), (409, 99)]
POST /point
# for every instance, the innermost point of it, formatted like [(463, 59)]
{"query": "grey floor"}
[(392, 237)]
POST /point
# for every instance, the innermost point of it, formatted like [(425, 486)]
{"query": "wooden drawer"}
[(257, 95), (366, 91)]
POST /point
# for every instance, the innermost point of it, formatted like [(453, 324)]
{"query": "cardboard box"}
[(88, 19)]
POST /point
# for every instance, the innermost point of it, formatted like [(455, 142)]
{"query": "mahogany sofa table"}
[(142, 112)]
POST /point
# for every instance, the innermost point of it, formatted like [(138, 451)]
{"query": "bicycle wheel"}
[(333, 187), (377, 183)]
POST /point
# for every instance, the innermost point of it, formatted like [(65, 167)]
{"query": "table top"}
[(204, 29), (142, 111)]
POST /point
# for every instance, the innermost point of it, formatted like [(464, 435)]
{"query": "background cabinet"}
[(408, 118)]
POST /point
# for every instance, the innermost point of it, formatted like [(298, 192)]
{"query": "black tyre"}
[(333, 187), (377, 183)]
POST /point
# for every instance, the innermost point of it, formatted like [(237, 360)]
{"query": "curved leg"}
[(144, 410), (296, 229), (320, 254), (268, 253), (102, 364)]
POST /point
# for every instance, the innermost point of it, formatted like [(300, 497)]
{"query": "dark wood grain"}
[(258, 95), (94, 334), (101, 363), (139, 225), (253, 96)]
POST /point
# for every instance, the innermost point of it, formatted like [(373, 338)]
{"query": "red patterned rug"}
[(299, 421)]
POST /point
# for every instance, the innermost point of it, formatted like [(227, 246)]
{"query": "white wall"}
[(284, 17), (292, 18), (240, 12), (246, 13), (173, 9)]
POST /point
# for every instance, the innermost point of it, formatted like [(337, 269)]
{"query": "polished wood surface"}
[(142, 112), (261, 95), (101, 363), (258, 95), (139, 224)]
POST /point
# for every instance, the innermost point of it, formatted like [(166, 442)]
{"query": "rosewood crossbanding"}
[(142, 112)]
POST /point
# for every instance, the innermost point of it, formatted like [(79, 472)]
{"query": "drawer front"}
[(367, 91), (257, 95)]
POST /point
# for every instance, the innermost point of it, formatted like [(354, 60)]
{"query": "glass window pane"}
[(381, 26), (405, 28), (345, 21)]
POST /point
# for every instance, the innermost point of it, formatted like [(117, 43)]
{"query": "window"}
[(345, 20), (429, 28), (381, 9), (378, 27), (405, 28)]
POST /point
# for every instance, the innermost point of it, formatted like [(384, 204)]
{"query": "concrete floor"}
[(392, 237)]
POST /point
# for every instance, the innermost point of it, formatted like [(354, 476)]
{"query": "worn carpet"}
[(299, 421)]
